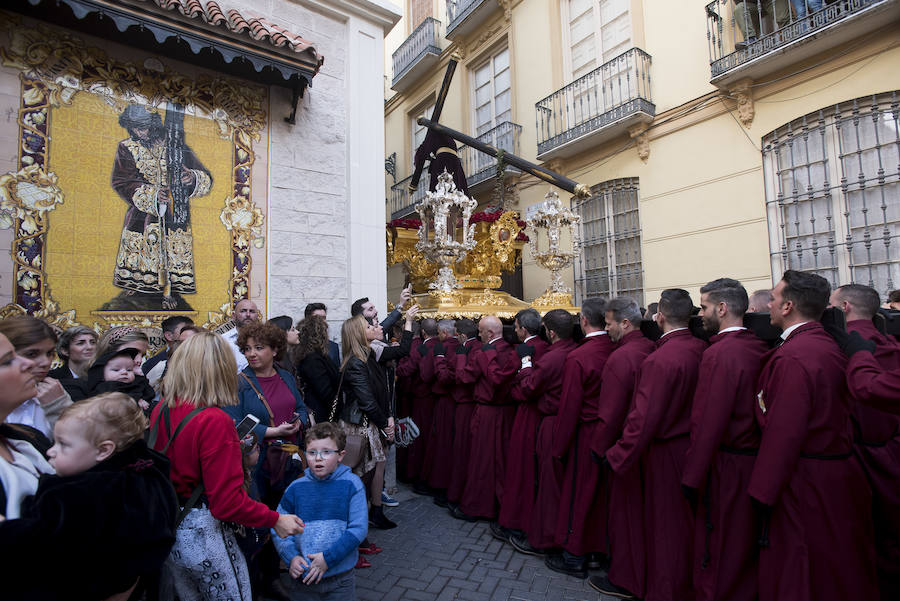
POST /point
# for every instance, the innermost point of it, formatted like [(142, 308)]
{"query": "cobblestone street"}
[(430, 556)]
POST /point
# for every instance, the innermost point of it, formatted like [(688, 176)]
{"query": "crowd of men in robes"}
[(688, 457)]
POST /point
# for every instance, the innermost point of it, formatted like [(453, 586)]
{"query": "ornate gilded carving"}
[(56, 67), (639, 134), (402, 249), (742, 91)]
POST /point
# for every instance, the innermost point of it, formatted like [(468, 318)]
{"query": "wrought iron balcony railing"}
[(741, 32), (402, 203), (479, 166), (459, 10), (608, 94), (423, 41)]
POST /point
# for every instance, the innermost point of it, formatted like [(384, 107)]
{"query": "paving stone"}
[(432, 557)]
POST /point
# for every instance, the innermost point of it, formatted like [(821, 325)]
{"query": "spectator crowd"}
[(746, 449)]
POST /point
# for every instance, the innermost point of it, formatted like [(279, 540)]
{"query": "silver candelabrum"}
[(445, 236), (554, 218)]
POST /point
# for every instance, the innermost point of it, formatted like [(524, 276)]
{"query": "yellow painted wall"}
[(702, 197)]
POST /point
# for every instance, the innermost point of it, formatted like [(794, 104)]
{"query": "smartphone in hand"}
[(246, 425)]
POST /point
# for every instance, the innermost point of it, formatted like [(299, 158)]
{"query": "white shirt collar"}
[(596, 333), (529, 338), (787, 332), (732, 329), (495, 339), (670, 331)]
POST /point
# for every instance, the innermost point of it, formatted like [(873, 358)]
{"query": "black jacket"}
[(91, 535), (320, 378), (369, 388)]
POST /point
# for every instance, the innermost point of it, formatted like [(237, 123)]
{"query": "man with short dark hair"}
[(577, 523), (539, 385), (539, 374), (171, 328), (813, 497), (363, 306), (423, 408), (446, 367), (622, 495), (655, 439), (877, 436), (439, 454), (724, 441), (320, 310)]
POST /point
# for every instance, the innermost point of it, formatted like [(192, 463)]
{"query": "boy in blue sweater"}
[(332, 503)]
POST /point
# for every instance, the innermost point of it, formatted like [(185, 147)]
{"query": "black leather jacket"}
[(360, 405)]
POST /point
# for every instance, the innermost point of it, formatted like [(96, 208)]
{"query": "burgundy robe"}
[(439, 455), (871, 384), (550, 470), (580, 527), (491, 424), (819, 532), (623, 494), (656, 439), (462, 420), (877, 446), (406, 372), (520, 478), (724, 442), (420, 369)]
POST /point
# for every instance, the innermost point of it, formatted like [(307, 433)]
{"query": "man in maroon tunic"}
[(491, 422), (815, 503), (870, 383), (577, 524), (877, 437), (421, 369), (439, 455), (623, 493), (407, 373), (655, 439), (724, 443), (519, 478), (446, 366)]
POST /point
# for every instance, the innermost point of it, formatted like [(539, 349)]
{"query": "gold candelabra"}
[(553, 218)]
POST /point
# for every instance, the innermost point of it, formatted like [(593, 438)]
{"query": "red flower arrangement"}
[(407, 223)]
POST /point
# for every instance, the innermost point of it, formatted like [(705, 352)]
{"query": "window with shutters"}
[(596, 32), (491, 97), (419, 131), (832, 182), (610, 261)]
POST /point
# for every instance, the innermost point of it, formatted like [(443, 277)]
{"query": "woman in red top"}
[(205, 451)]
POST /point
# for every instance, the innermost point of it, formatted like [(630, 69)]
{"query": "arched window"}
[(833, 193)]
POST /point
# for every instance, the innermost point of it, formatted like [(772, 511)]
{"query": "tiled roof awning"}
[(194, 31)]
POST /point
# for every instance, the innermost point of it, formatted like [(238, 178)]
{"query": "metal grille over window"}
[(610, 261), (833, 193)]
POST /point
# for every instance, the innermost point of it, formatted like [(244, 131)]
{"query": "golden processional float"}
[(453, 258)]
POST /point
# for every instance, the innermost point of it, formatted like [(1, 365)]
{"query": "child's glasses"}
[(323, 454)]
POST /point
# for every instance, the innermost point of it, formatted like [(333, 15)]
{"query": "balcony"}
[(758, 42), (481, 168), (464, 16), (417, 55), (595, 107), (401, 202)]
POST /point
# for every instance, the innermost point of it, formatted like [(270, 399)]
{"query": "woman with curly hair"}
[(315, 367), (269, 393)]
